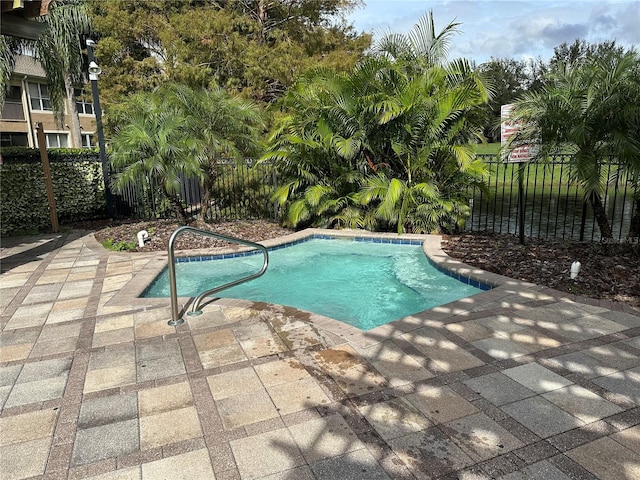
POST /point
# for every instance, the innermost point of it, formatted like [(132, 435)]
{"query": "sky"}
[(518, 29)]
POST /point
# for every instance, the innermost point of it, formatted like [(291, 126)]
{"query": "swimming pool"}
[(361, 282)]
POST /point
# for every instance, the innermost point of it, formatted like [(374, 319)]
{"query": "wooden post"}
[(42, 145)]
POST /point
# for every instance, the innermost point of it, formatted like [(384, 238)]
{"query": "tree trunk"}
[(206, 202), (261, 16), (74, 119), (634, 227), (176, 205), (181, 214), (601, 216), (207, 186)]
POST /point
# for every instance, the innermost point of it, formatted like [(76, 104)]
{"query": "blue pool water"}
[(363, 284)]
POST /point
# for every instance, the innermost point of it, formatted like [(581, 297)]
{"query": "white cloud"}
[(511, 28)]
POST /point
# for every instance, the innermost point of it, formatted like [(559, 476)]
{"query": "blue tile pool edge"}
[(316, 236), (461, 278)]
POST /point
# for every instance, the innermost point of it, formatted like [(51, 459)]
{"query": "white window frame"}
[(48, 136), (87, 136), (40, 98)]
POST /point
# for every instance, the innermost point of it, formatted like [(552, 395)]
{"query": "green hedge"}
[(77, 186)]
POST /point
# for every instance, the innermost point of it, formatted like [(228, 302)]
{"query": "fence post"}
[(275, 187), (521, 202), (583, 220)]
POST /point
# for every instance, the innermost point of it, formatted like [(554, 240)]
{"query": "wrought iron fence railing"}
[(240, 190), (554, 205)]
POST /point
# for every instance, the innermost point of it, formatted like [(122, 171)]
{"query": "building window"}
[(12, 109), (14, 94), (8, 139), (86, 140), (57, 140), (83, 104), (39, 96)]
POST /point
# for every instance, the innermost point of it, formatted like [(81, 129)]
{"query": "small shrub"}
[(120, 246)]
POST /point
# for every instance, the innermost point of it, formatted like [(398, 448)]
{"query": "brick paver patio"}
[(520, 382)]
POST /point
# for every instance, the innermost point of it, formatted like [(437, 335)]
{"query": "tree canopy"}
[(253, 47)]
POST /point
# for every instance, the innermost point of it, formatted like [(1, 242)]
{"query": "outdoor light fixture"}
[(94, 71)]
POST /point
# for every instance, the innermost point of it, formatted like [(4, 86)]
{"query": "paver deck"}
[(520, 382)]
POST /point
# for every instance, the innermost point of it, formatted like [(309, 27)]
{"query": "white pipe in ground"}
[(575, 269), (143, 235)]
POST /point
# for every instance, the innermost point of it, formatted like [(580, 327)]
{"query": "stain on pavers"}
[(395, 418), (536, 378), (625, 383), (25, 459), (480, 437), (158, 359), (354, 375), (582, 403), (607, 459), (542, 470), (246, 409), (298, 406), (441, 404), (115, 366), (28, 426), (188, 466), (358, 465), (430, 453), (325, 437), (218, 348), (499, 389), (107, 427)]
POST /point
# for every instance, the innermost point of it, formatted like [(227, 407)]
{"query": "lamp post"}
[(94, 73)]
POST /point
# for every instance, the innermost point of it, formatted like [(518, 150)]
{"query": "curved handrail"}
[(175, 320)]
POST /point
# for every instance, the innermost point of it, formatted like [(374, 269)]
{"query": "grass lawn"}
[(543, 179), (487, 148)]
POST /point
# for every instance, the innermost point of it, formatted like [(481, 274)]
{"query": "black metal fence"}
[(554, 206), (241, 190)]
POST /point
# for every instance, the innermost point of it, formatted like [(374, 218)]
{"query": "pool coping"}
[(431, 244)]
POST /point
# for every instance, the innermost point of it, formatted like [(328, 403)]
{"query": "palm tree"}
[(321, 149), (385, 145), (227, 127), (9, 48), (175, 132), (153, 144), (591, 110), (59, 50), (421, 48), (430, 163)]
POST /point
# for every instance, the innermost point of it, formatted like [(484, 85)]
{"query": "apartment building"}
[(27, 103)]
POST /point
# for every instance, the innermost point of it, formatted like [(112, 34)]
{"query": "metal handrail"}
[(195, 310)]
